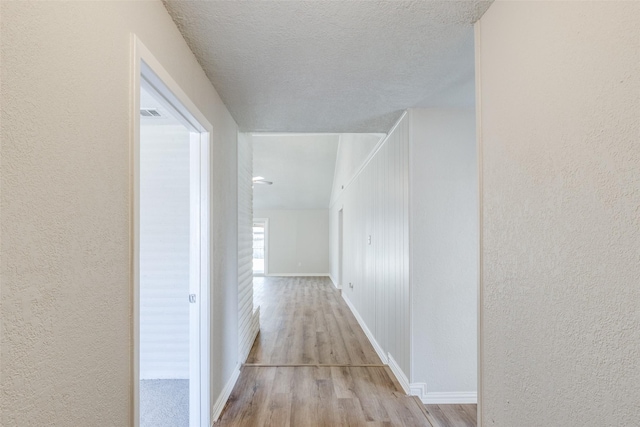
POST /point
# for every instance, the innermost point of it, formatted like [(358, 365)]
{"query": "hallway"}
[(312, 365)]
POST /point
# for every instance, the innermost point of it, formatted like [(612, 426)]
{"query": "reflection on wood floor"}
[(341, 382), (305, 320), (452, 415)]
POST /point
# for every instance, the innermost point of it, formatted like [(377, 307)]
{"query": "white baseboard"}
[(418, 389), (164, 375), (446, 398), (334, 281), (253, 333), (367, 332), (400, 375), (298, 275), (224, 395), (255, 320)]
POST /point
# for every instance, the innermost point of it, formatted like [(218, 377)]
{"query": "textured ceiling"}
[(300, 166), (332, 66)]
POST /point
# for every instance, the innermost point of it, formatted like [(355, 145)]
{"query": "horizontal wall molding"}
[(224, 395), (400, 375), (164, 374), (367, 332), (298, 275), (366, 162)]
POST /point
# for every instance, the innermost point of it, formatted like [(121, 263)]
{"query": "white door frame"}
[(340, 246), (480, 155), (265, 221), (149, 73)]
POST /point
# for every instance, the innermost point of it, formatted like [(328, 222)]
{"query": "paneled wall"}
[(164, 251), (354, 150), (410, 239), (376, 245), (248, 322)]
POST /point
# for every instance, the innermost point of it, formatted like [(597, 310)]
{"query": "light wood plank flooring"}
[(304, 320), (452, 415), (312, 365)]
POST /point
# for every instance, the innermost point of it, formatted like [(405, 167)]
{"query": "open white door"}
[(194, 282), (170, 213)]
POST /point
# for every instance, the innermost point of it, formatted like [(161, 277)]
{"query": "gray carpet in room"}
[(164, 403)]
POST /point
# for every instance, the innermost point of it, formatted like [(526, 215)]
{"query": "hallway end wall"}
[(559, 113), (298, 241)]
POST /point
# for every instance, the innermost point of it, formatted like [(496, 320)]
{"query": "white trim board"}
[(446, 398), (366, 330), (443, 398), (477, 28), (254, 327), (149, 73), (366, 161), (224, 395), (297, 275), (334, 281), (418, 389), (400, 376)]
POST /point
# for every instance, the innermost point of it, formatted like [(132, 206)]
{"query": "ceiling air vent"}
[(149, 112)]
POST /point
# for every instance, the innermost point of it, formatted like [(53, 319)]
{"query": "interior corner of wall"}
[(418, 389)]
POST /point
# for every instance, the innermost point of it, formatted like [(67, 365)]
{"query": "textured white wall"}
[(248, 322), (65, 252), (444, 249), (560, 132), (164, 251), (298, 241)]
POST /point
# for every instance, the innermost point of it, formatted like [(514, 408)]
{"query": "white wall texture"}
[(560, 130), (298, 241), (248, 321), (164, 251), (66, 208), (444, 249)]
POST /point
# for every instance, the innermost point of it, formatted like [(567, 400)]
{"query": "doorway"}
[(340, 247), (260, 246), (171, 247)]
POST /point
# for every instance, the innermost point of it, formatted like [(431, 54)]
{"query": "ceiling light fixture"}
[(260, 180)]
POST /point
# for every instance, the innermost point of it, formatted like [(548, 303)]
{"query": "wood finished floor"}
[(452, 415), (304, 321)]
